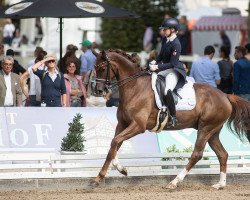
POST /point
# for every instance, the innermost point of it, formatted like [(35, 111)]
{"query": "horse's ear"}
[(104, 55)]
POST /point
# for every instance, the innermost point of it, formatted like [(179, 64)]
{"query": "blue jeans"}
[(33, 101)]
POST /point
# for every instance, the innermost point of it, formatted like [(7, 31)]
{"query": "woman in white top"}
[(33, 97)]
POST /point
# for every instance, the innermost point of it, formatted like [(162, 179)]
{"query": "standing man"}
[(204, 70), (241, 71), (87, 62), (10, 90)]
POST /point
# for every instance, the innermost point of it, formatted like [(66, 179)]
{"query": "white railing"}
[(15, 165)]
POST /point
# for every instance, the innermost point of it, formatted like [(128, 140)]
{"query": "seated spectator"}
[(10, 90), (75, 91), (34, 91), (17, 68), (53, 89), (241, 71), (204, 70), (226, 69)]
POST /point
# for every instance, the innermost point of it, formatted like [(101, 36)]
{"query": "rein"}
[(119, 83)]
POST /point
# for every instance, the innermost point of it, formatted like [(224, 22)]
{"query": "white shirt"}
[(53, 76), (8, 101), (8, 30), (35, 83)]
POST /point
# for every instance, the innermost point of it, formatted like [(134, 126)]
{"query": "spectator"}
[(34, 92), (204, 70), (226, 69), (10, 90), (17, 40), (183, 35), (112, 98), (38, 32), (75, 91), (17, 68), (69, 55), (241, 71), (8, 32), (225, 41), (87, 61), (53, 90), (247, 46), (1, 52), (148, 38), (37, 52)]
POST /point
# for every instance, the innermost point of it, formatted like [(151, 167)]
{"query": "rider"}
[(168, 64)]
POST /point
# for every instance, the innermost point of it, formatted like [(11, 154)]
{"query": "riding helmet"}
[(170, 23)]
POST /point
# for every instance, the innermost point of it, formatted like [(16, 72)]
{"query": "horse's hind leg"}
[(203, 135), (132, 130), (222, 155)]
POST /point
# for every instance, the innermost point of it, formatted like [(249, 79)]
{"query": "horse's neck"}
[(125, 71)]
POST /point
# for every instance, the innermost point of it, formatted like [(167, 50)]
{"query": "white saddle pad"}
[(187, 93)]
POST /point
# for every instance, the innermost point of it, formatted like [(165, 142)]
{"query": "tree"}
[(127, 34), (74, 139)]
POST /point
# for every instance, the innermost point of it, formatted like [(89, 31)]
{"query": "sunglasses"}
[(53, 61)]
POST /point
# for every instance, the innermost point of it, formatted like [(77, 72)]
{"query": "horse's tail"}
[(240, 117)]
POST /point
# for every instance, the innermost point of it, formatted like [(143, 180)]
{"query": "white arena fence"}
[(31, 165)]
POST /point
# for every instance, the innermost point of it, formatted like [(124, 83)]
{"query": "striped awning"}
[(229, 22)]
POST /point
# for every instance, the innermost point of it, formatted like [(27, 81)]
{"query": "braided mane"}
[(123, 53)]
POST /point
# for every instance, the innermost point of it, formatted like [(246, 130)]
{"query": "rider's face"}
[(167, 32)]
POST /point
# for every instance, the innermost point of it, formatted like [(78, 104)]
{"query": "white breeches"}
[(171, 81)]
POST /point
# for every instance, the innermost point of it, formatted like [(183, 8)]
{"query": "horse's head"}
[(104, 74), (114, 64)]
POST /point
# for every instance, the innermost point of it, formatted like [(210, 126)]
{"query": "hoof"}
[(93, 184), (124, 172), (218, 186), (171, 186)]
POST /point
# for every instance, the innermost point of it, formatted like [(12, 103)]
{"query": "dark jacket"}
[(169, 58), (51, 91), (241, 80)]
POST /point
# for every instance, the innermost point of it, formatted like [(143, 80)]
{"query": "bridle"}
[(109, 85)]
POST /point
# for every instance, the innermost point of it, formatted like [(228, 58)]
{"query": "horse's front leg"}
[(132, 130)]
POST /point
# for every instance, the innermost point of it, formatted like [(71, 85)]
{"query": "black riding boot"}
[(171, 107)]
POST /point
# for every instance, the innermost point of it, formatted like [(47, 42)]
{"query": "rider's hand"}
[(153, 67)]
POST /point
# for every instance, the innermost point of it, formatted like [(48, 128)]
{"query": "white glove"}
[(153, 67), (153, 62)]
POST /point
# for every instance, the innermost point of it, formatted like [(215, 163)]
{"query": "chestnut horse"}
[(137, 112)]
